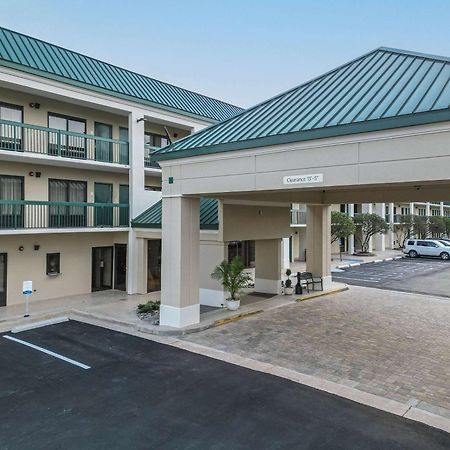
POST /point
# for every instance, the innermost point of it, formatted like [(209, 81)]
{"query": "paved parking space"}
[(420, 275), (392, 344), (140, 394)]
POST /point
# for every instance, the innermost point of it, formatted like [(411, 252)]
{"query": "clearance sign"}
[(303, 179)]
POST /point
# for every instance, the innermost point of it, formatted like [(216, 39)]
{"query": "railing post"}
[(58, 143)]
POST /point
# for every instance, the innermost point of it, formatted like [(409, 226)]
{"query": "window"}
[(155, 140), (245, 250), (410, 242), (405, 211), (11, 188), (70, 145), (67, 191), (421, 211), (53, 263), (10, 135), (435, 212), (421, 244)]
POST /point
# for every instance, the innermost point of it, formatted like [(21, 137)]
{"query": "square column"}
[(268, 266), (391, 233), (318, 242), (136, 264), (441, 209), (351, 238), (180, 305), (379, 239)]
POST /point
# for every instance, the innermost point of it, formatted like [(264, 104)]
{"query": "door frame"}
[(5, 277), (93, 289)]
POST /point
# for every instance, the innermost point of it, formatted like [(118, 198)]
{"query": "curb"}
[(322, 294), (347, 266), (405, 410)]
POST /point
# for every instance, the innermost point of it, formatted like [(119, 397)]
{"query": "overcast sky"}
[(240, 51)]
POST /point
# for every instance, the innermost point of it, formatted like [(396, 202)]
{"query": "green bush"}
[(149, 307)]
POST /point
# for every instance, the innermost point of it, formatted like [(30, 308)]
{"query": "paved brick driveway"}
[(392, 344)]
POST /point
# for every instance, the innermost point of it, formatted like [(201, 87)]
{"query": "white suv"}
[(427, 247)]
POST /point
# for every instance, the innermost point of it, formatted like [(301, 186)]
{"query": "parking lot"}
[(421, 275), (112, 390)]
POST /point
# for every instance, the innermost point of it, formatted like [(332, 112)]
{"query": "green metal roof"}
[(152, 217), (28, 54), (386, 88)]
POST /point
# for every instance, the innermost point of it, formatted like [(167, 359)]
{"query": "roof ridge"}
[(117, 67), (413, 53)]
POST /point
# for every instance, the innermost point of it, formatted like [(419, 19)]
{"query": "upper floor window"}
[(66, 144), (10, 135), (63, 215), (155, 140)]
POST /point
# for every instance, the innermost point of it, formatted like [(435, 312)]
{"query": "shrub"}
[(149, 307)]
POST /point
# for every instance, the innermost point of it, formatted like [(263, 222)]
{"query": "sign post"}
[(27, 290)]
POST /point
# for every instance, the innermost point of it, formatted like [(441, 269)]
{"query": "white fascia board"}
[(63, 231)]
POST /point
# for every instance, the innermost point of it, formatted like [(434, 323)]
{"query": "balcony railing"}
[(298, 217), (148, 150), (29, 214), (21, 137)]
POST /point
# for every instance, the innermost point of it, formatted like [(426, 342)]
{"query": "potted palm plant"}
[(233, 278), (288, 289)]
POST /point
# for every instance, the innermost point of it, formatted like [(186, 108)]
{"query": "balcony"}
[(32, 215), (148, 163), (298, 217), (25, 138)]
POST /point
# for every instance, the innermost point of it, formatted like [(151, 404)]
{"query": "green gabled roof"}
[(28, 54), (386, 88), (152, 217)]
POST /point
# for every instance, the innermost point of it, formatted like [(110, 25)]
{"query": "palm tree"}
[(232, 276)]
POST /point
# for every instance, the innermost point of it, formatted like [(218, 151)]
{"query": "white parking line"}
[(48, 352), (357, 279)]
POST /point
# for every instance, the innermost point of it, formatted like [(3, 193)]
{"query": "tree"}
[(436, 226), (370, 224), (403, 230), (420, 228), (342, 226), (447, 226)]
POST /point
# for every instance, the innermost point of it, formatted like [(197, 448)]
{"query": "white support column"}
[(391, 233), (428, 209), (268, 266), (367, 209), (351, 239), (318, 242), (285, 250), (212, 253), (379, 239), (136, 264), (441, 209), (180, 305)]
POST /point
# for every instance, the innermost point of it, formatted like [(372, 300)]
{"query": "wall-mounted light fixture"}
[(21, 248), (140, 120), (35, 105), (37, 247)]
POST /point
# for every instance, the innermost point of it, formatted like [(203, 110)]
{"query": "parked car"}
[(427, 247)]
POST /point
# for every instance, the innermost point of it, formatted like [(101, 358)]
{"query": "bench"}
[(307, 280)]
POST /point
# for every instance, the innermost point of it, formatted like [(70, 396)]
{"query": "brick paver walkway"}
[(392, 344)]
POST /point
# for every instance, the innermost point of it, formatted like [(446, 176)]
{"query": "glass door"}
[(123, 149), (120, 266), (102, 268), (11, 215), (124, 200), (10, 135), (3, 277), (103, 214), (154, 265), (103, 149)]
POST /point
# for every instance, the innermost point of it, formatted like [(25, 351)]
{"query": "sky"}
[(240, 51)]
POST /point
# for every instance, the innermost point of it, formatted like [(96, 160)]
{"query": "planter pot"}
[(233, 305), (288, 290)]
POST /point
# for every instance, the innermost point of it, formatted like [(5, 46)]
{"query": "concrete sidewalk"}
[(117, 309)]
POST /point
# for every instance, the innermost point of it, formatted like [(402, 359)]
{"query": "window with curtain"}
[(11, 188), (10, 135), (155, 140), (70, 145), (67, 191)]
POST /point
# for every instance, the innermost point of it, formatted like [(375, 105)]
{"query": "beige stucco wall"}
[(30, 264), (40, 116), (247, 222), (37, 188)]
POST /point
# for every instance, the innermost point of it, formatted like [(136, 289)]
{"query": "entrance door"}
[(103, 214), (102, 268), (103, 149), (3, 275), (120, 266), (154, 265)]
